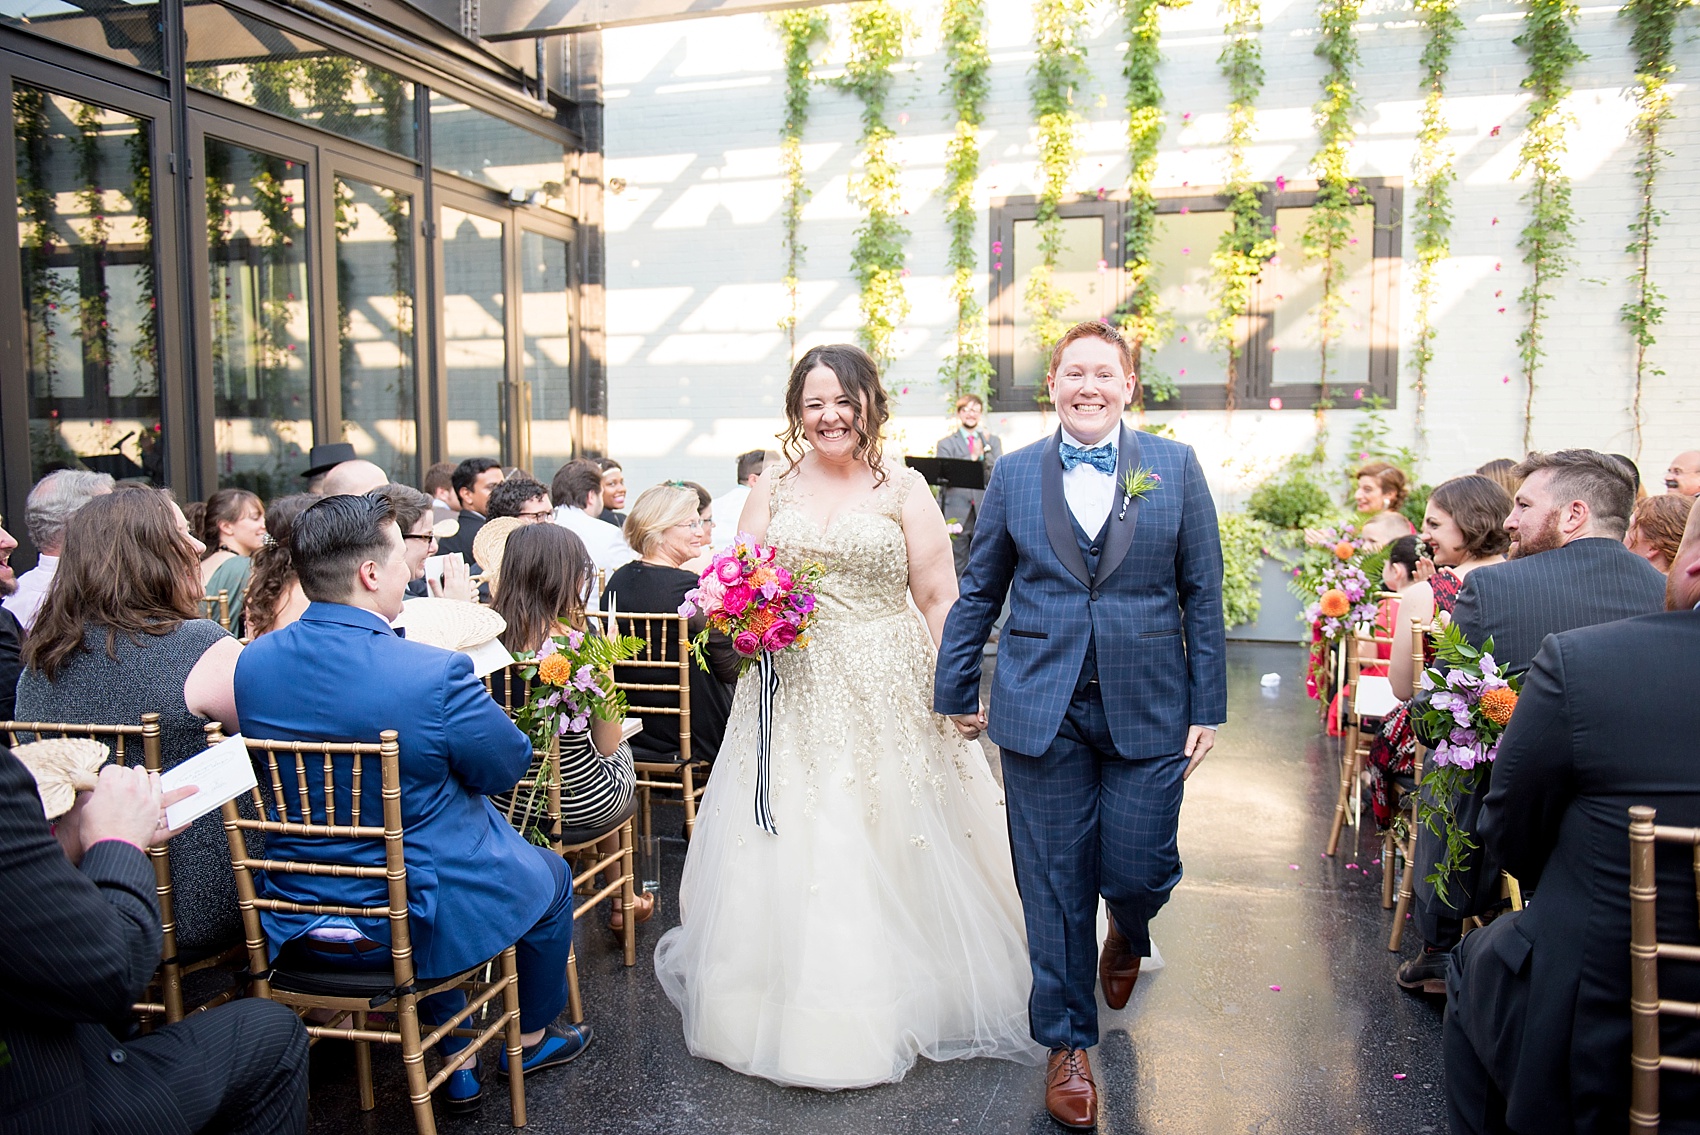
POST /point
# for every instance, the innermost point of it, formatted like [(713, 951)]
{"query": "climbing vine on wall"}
[(963, 28), (800, 32), (877, 33), (1142, 318), (1432, 174), (1546, 238), (1337, 192), (1059, 67), (1654, 23), (1248, 244), (94, 308)]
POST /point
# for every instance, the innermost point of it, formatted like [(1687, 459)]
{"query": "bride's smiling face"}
[(829, 416)]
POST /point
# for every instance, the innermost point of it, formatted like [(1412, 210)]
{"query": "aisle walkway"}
[(1206, 1047)]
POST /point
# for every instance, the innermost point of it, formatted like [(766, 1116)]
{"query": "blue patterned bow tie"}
[(1100, 457)]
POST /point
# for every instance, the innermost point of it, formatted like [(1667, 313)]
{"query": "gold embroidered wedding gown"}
[(882, 921)]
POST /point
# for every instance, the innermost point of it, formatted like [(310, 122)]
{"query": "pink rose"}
[(783, 576), (738, 598), (746, 643), (779, 636), (729, 570), (710, 595)]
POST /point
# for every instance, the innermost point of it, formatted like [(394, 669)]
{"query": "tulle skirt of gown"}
[(882, 922)]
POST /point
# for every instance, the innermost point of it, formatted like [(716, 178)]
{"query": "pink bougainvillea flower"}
[(1274, 989), (1494, 133), (1275, 404), (998, 266), (1506, 379), (1358, 394), (1185, 210), (1280, 184), (997, 247)]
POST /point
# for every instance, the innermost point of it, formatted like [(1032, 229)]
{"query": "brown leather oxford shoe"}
[(1070, 1095), (1118, 968)]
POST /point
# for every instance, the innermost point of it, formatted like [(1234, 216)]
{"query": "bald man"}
[(352, 478), (1683, 476)]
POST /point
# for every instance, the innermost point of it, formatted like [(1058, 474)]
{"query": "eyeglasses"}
[(694, 525), (427, 537), (537, 517)]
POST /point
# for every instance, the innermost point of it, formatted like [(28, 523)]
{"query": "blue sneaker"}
[(462, 1093), (558, 1046)]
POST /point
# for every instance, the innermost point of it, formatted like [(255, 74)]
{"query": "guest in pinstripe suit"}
[(1110, 684), (1571, 570), (79, 939)]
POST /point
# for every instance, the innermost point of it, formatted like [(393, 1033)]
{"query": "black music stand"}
[(948, 473)]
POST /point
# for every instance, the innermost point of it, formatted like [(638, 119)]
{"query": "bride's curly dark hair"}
[(859, 375)]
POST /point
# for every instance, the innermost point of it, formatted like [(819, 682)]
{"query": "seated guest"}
[(1683, 476), (352, 477), (665, 526), (321, 459), (613, 492), (439, 485), (80, 923), (1380, 493), (729, 506), (275, 598), (1503, 472), (1655, 528), (415, 517), (11, 634), (48, 508), (546, 573), (473, 479), (1634, 472), (521, 497), (120, 636), (1571, 571), (233, 528), (340, 673), (1537, 1018), (576, 491), (1463, 528), (704, 537)]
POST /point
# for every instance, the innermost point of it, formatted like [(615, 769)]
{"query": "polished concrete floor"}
[(1275, 1013)]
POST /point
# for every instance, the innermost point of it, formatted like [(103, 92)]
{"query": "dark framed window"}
[(1281, 363)]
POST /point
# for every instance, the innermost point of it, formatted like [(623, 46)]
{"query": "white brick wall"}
[(697, 363)]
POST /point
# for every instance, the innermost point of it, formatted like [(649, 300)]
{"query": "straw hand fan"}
[(62, 767)]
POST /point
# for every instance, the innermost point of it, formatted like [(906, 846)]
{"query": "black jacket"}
[(11, 645), (77, 948), (1608, 718)]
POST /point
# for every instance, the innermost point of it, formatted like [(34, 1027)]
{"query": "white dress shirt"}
[(727, 509), (1090, 494), (25, 603), (607, 547)]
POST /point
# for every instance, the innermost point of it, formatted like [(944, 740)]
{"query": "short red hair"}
[(1093, 329)]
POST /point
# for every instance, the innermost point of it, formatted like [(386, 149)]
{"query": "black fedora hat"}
[(324, 458)]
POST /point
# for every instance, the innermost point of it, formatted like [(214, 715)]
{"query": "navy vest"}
[(1091, 550)]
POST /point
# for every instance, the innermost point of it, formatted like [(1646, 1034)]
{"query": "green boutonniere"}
[(1135, 484)]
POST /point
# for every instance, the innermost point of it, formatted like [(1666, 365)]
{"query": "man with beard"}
[(11, 634), (1572, 570)]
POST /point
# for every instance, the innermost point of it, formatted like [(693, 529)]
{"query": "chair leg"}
[(1340, 803), (516, 1053), (575, 1006), (1407, 883), (1388, 846), (688, 783), (628, 900), (413, 1063), (648, 825), (363, 1066)]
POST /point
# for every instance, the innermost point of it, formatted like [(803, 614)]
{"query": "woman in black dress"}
[(666, 526)]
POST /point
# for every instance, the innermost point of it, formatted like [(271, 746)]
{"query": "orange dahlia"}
[(557, 670), (760, 621), (1335, 605), (1344, 550), (1498, 704)]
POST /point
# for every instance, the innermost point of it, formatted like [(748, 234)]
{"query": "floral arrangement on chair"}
[(1464, 703), (765, 608), (1344, 590)]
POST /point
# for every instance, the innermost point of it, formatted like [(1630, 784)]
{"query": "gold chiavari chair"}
[(1645, 952), (122, 740), (1407, 881), (1364, 698), (295, 980), (217, 608), (664, 665)]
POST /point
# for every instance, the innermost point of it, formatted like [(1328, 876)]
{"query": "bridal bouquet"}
[(765, 608), (1461, 710)]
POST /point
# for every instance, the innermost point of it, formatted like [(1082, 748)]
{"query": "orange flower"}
[(761, 577), (760, 621), (1335, 605), (557, 669), (1498, 704), (1344, 550)]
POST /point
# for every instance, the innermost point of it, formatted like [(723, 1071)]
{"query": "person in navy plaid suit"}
[(1110, 683)]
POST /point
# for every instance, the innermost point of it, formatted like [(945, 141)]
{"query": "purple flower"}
[(575, 639), (687, 608), (578, 724), (803, 601)]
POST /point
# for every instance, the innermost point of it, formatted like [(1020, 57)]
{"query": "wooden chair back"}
[(1645, 952), (1420, 632), (663, 667), (289, 802), (217, 608), (1348, 807), (129, 743)]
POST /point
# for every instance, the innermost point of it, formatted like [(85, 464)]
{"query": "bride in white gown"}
[(882, 921)]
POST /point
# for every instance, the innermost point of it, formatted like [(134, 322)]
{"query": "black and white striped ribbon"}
[(764, 741)]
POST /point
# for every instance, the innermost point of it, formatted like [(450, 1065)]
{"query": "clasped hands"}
[(127, 805), (1200, 739)]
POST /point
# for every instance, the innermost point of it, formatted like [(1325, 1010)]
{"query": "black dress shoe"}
[(1426, 971)]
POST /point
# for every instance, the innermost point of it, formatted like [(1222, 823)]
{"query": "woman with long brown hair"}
[(120, 636), (891, 865), (275, 598), (233, 528)]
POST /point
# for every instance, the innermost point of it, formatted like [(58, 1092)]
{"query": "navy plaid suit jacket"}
[(1153, 612)]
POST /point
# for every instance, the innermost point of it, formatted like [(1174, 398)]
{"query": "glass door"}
[(546, 325), (473, 285)]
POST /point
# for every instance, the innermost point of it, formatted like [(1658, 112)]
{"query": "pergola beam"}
[(531, 19)]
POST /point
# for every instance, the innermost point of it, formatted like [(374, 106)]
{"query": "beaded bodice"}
[(862, 547)]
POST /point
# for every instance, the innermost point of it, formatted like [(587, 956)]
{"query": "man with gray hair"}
[(1572, 570), (46, 511)]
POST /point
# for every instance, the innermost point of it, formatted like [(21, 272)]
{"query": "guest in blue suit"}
[(1109, 686), (341, 673)]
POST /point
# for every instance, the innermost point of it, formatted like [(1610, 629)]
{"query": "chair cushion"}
[(572, 837), (296, 970)]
